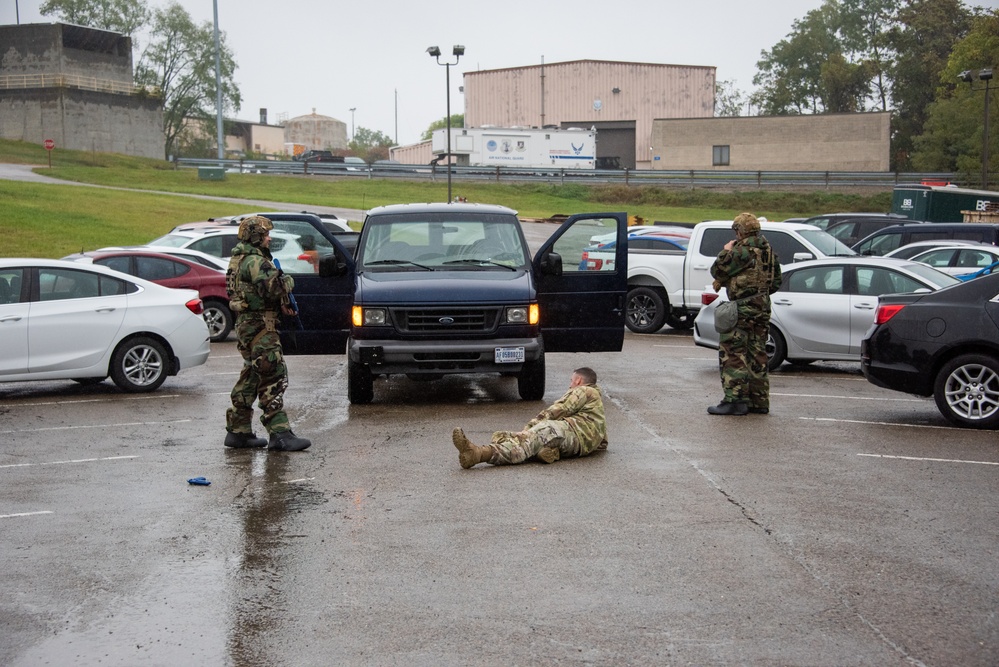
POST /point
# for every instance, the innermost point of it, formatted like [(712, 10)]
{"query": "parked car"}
[(210, 261), (601, 257), (958, 260), (827, 220), (87, 322), (889, 238), (825, 306), (944, 344), (637, 230), (909, 250), (177, 273), (851, 230), (318, 156), (987, 271), (220, 240)]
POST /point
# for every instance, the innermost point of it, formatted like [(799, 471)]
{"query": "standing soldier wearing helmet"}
[(748, 269), (258, 293)]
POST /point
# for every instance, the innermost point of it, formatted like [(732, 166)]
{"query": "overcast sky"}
[(331, 55)]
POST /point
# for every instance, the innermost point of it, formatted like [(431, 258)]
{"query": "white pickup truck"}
[(665, 286)]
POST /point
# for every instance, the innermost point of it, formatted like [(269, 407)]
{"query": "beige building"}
[(619, 99), (821, 142)]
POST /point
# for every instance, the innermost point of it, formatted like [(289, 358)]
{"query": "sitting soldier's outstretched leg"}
[(469, 454)]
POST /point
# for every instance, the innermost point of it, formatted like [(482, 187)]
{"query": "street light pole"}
[(457, 52), (986, 76), (352, 110), (218, 85)]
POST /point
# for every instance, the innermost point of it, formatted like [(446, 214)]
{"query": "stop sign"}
[(49, 144)]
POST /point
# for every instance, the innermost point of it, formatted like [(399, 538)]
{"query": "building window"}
[(719, 156)]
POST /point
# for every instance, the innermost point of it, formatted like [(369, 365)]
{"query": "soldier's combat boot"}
[(243, 440), (735, 408), (469, 454), (548, 454), (286, 441)]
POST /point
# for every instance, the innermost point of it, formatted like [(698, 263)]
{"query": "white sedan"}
[(66, 320), (958, 260), (824, 307)]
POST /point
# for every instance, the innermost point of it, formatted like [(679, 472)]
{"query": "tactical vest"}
[(235, 286), (756, 277)]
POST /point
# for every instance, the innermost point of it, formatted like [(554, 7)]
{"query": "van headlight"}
[(522, 314), (368, 317)]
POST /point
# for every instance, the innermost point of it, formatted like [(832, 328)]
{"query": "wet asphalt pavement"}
[(852, 526)]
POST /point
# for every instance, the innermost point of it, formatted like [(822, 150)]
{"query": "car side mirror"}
[(803, 256), (551, 263), (331, 266)]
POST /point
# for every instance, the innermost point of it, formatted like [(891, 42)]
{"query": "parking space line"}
[(861, 421), (54, 463), (70, 428), (89, 400), (920, 458), (11, 516), (298, 481), (853, 398)]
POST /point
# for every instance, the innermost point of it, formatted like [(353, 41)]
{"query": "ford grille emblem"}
[(446, 320)]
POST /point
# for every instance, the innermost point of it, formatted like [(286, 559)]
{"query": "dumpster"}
[(211, 173)]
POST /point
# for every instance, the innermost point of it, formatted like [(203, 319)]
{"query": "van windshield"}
[(442, 242)]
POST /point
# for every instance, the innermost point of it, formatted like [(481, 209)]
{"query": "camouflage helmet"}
[(254, 229), (746, 223)]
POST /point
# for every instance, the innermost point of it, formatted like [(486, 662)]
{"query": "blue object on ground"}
[(200, 481)]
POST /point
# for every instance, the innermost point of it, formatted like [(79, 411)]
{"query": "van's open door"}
[(582, 299)]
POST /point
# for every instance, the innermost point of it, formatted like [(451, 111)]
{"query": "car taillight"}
[(195, 306), (887, 311), (708, 297)]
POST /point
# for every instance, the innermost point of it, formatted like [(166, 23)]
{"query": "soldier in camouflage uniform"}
[(747, 266), (258, 292), (572, 426)]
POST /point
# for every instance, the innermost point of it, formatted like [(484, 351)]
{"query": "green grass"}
[(53, 221)]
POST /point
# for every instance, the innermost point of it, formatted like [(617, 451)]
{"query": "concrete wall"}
[(588, 91), (84, 120), (824, 142)]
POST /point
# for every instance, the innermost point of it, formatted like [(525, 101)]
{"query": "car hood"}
[(444, 287)]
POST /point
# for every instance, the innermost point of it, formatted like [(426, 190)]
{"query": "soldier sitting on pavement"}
[(572, 426)]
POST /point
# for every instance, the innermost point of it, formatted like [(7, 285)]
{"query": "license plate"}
[(509, 355)]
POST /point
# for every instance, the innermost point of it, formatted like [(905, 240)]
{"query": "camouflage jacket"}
[(582, 408), (746, 268), (253, 282)]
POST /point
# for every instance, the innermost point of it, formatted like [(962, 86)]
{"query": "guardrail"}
[(683, 179), (19, 81)]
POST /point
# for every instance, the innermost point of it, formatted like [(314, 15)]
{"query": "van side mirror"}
[(551, 263), (331, 266)]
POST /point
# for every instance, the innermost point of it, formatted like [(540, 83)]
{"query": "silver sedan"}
[(825, 306)]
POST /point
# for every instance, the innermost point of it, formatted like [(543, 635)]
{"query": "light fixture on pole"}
[(457, 52), (986, 76), (352, 110)]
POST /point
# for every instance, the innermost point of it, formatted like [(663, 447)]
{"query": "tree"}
[(124, 16), (953, 136), (865, 27), (457, 120), (180, 62), (922, 39), (370, 145), (729, 100)]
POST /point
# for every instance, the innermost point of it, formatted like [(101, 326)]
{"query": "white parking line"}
[(88, 400), (853, 398), (53, 463), (861, 421), (70, 428), (298, 481), (11, 516), (919, 458)]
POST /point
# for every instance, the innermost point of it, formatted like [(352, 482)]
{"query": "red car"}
[(173, 271)]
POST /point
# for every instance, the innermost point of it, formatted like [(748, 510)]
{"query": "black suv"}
[(319, 156)]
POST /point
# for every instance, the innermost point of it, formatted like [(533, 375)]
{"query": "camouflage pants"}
[(742, 360), (517, 446), (264, 376)]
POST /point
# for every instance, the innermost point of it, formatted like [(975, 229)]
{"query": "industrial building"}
[(74, 85)]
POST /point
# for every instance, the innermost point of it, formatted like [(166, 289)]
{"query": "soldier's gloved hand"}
[(716, 286), (289, 311)]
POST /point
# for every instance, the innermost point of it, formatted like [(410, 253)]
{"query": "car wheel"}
[(218, 317), (646, 311), (140, 364), (360, 383), (531, 381), (776, 349), (966, 391)]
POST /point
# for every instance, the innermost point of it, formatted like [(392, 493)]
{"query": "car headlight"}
[(368, 317)]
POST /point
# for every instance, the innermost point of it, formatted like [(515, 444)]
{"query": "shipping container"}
[(939, 203)]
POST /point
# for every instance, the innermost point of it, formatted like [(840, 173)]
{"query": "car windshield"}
[(442, 241), (826, 243)]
